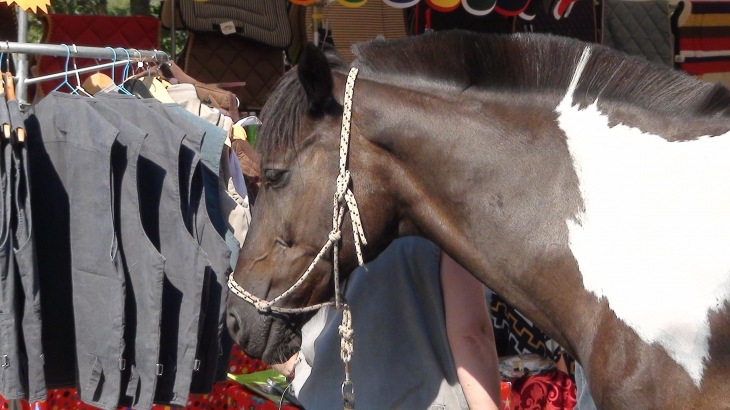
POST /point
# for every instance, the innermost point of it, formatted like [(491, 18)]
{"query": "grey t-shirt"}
[(401, 358)]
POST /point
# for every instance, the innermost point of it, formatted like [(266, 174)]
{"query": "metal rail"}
[(21, 49), (70, 73), (85, 52)]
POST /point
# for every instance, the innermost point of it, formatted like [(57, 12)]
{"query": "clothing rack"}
[(123, 55)]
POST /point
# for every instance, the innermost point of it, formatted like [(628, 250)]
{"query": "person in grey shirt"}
[(423, 338)]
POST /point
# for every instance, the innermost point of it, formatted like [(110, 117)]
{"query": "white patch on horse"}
[(654, 237)]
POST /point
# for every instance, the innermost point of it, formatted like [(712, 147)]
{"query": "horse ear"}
[(315, 75)]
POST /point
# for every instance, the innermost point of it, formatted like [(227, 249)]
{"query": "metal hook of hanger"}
[(157, 62), (65, 69), (145, 66), (76, 72), (139, 60), (113, 72), (125, 71), (114, 60)]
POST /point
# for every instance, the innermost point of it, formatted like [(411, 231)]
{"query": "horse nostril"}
[(234, 325)]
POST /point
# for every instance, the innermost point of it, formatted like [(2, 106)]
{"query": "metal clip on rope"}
[(347, 336)]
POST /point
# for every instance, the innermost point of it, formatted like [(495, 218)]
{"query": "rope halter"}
[(343, 201)]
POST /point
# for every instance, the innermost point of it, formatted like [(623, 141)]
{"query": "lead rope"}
[(343, 200), (347, 334)]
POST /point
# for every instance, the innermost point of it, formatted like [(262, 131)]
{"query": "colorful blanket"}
[(704, 39)]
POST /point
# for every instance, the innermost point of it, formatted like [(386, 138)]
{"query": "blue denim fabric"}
[(71, 195), (25, 256), (210, 233), (142, 266), (186, 264)]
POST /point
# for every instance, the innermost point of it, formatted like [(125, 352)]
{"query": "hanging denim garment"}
[(25, 256), (11, 386), (208, 234), (185, 264), (70, 160), (142, 264)]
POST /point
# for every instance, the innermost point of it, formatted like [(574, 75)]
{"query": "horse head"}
[(300, 145)]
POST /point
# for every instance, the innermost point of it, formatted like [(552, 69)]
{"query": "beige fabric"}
[(187, 96), (354, 25), (236, 210), (182, 92)]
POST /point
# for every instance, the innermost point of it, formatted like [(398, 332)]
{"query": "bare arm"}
[(471, 338)]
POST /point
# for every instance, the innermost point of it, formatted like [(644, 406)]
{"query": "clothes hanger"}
[(78, 87), (65, 78), (113, 84), (133, 84), (125, 74), (142, 69), (157, 89), (100, 82)]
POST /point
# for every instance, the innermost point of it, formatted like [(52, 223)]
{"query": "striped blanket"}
[(704, 40)]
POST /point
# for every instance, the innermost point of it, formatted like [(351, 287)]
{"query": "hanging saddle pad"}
[(265, 21), (139, 32), (216, 58), (641, 28), (349, 26)]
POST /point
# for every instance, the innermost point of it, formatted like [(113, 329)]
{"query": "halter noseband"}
[(343, 200)]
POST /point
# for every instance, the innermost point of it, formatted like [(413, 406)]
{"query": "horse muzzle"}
[(269, 337)]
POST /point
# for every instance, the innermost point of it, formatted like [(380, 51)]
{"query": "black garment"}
[(70, 153), (142, 264), (211, 157), (50, 204), (189, 160), (137, 88), (219, 254), (186, 263), (11, 386), (31, 358)]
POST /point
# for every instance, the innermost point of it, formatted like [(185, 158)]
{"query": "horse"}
[(588, 188)]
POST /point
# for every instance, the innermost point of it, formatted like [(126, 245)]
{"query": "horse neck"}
[(474, 179)]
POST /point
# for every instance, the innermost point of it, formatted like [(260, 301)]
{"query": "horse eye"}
[(274, 176)]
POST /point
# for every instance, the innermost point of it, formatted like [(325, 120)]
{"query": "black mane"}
[(541, 62), (514, 63)]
